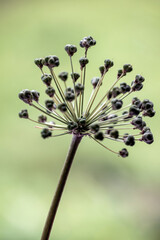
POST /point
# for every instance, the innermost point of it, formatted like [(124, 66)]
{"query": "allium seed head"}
[(106, 116)]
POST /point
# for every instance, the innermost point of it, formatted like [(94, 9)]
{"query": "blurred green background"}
[(106, 197)]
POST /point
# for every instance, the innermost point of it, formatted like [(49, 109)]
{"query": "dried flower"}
[(106, 118), (103, 118)]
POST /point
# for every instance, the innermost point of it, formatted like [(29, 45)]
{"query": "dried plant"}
[(103, 118)]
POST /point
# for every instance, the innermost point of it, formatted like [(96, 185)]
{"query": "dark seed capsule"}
[(94, 128), (146, 129), (124, 88), (101, 69), (137, 122), (147, 137), (120, 72), (99, 136), (35, 95), (136, 86), (62, 107), (83, 62), (24, 114), (149, 113), (79, 88), (136, 102), (108, 64), (123, 153), (39, 62), (75, 76), (63, 76), (69, 96), (72, 126), (49, 104), (70, 49), (129, 140), (47, 78), (116, 104), (87, 42), (127, 68), (26, 96), (147, 105), (134, 111), (42, 119), (116, 91), (45, 133), (45, 62), (95, 81), (139, 79), (51, 61), (50, 91), (114, 134)]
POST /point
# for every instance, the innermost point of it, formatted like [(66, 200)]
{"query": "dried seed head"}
[(102, 119), (87, 42), (23, 114), (46, 78), (42, 119), (70, 49), (63, 76), (46, 133), (123, 153), (50, 91), (39, 62), (62, 107), (75, 76)]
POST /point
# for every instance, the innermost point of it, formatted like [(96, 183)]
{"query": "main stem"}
[(63, 178)]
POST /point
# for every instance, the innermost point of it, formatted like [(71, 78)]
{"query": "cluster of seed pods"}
[(104, 117)]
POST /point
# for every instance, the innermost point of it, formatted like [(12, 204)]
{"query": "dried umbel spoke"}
[(105, 117)]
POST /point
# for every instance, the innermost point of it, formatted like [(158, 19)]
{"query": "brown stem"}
[(65, 172)]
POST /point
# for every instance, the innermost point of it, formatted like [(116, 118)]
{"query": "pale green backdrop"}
[(106, 197)]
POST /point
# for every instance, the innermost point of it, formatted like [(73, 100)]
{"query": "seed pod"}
[(50, 91), (99, 136), (63, 76), (62, 107), (35, 95), (24, 114), (114, 134), (116, 104), (108, 64), (42, 119), (94, 128), (47, 78), (51, 61), (50, 104), (147, 137), (83, 62), (70, 49), (127, 68), (95, 81), (133, 111), (87, 42), (72, 126), (75, 76), (129, 140), (45, 133), (39, 62), (123, 153), (79, 88)]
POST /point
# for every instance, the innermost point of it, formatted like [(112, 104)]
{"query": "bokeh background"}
[(106, 197)]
